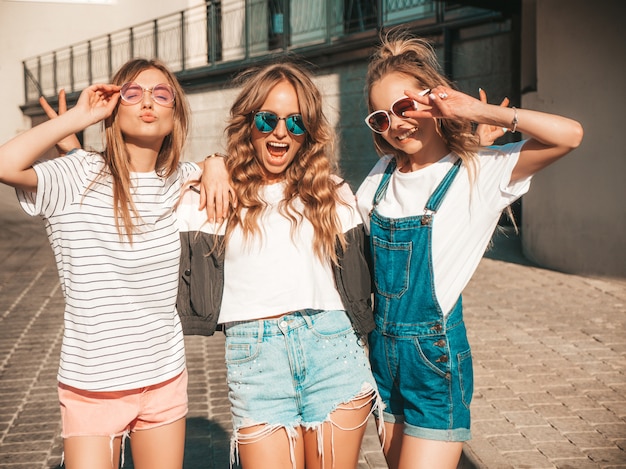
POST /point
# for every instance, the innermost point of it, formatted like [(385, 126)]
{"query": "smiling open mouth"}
[(277, 149), (407, 134)]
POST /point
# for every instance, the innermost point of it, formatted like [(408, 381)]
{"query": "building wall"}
[(572, 63), (31, 28), (573, 218)]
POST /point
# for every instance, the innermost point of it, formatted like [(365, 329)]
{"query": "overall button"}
[(440, 343), (442, 359), (187, 272), (436, 328), (283, 324)]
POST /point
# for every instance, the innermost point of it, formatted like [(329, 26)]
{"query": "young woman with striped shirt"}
[(110, 220)]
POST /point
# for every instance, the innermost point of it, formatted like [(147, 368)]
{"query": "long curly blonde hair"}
[(116, 157), (399, 52), (308, 177)]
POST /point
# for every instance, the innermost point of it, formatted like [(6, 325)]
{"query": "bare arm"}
[(18, 155), (550, 136), (216, 194)]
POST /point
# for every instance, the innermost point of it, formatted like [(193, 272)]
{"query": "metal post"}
[(39, 71), (54, 72), (246, 29), (109, 57), (89, 63), (131, 43), (24, 71), (156, 38), (210, 33), (182, 40), (72, 81)]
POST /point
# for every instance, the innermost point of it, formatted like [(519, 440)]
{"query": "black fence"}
[(219, 32)]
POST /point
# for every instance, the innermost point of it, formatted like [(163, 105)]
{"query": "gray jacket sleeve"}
[(200, 282), (352, 277)]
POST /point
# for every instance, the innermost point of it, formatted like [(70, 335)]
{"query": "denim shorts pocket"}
[(329, 324), (466, 376), (391, 267), (241, 350), (433, 356)]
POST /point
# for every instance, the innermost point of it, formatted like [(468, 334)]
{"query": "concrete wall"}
[(31, 28), (573, 218)]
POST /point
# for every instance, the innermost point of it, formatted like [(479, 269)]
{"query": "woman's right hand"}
[(488, 134), (98, 101)]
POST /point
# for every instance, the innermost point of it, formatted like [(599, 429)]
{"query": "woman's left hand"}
[(216, 193), (488, 134)]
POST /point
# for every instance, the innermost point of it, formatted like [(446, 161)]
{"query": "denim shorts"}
[(295, 370), (426, 381)]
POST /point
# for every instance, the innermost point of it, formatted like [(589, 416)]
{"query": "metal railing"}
[(216, 33)]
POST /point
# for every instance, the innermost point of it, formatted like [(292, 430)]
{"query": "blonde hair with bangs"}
[(308, 177)]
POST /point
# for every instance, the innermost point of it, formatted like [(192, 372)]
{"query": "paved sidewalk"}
[(549, 352)]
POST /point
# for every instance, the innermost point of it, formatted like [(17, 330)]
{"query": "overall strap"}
[(384, 182), (437, 196)]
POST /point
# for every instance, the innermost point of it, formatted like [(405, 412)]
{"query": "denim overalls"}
[(421, 361)]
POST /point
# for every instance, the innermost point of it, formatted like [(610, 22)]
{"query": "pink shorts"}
[(112, 414)]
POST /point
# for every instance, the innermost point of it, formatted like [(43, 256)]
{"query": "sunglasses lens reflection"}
[(267, 121), (295, 124), (162, 93), (131, 92), (379, 121), (403, 105)]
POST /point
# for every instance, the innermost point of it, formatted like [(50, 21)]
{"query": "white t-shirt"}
[(121, 327), (467, 217), (278, 272)]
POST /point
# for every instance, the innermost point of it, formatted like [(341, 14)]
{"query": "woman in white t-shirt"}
[(296, 306), (430, 207), (110, 220)]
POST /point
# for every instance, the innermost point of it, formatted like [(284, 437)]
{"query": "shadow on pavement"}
[(506, 245), (467, 461)]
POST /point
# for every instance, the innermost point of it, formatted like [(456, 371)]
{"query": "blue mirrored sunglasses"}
[(267, 121)]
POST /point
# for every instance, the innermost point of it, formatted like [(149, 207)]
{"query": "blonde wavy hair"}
[(308, 177), (399, 52), (116, 157)]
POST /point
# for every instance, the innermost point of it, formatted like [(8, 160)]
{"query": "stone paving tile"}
[(549, 351)]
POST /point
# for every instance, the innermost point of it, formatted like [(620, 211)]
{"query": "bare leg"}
[(261, 447), (419, 453), (394, 432), (94, 452), (342, 436), (159, 448)]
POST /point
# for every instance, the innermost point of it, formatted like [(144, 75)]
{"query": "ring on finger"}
[(443, 95)]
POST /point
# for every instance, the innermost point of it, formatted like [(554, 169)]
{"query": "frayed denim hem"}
[(266, 430)]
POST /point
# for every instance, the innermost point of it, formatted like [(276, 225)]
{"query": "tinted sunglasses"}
[(380, 121), (266, 121), (162, 93)]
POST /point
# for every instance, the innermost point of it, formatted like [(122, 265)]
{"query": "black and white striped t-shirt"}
[(121, 327)]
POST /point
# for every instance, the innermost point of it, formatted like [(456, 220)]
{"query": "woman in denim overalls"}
[(431, 205)]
